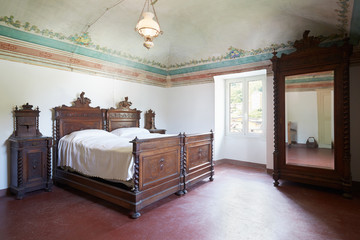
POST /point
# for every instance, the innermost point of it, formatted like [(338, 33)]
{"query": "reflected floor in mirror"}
[(314, 157)]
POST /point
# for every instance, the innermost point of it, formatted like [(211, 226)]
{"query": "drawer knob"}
[(161, 164), (200, 153)]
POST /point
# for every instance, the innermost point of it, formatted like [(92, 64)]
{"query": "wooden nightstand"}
[(30, 164), (30, 154), (150, 122), (161, 131)]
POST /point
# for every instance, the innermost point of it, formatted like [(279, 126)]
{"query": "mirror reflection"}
[(309, 135)]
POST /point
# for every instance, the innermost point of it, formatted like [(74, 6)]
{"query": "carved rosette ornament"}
[(82, 101), (125, 105), (307, 42)]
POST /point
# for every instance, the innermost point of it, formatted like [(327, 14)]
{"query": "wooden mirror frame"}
[(309, 57)]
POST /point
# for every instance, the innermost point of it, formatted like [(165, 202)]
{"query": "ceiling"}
[(194, 32)]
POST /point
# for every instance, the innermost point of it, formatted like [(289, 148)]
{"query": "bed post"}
[(56, 137), (136, 214), (212, 156), (184, 160), (182, 164)]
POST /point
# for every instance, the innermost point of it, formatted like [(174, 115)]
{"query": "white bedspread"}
[(97, 153)]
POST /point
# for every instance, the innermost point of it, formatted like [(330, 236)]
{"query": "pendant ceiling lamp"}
[(147, 26)]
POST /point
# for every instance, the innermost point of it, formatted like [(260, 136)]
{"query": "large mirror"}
[(311, 114)]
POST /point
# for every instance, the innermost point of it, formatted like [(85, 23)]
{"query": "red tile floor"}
[(241, 203), (313, 157)]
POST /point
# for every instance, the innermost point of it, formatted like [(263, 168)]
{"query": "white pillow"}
[(131, 132), (90, 132)]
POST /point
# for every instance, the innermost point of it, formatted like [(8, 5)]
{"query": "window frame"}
[(245, 85)]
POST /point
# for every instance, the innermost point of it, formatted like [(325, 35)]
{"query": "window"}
[(245, 105)]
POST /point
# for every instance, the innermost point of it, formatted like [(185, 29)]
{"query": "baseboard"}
[(269, 171), (356, 186), (241, 163), (4, 192)]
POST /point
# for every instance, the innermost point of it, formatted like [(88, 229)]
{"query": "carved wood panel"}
[(160, 166), (198, 155)]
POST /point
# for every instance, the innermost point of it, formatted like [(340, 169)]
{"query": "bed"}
[(161, 166)]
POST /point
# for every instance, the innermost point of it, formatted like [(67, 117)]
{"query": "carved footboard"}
[(198, 158), (157, 169)]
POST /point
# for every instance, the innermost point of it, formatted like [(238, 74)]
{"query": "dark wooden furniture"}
[(150, 122), (150, 119), (309, 57), (158, 162), (160, 131), (30, 154), (198, 160)]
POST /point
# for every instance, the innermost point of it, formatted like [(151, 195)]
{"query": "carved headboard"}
[(123, 116), (80, 116)]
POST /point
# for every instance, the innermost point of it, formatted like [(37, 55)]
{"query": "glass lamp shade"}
[(148, 27), (148, 43)]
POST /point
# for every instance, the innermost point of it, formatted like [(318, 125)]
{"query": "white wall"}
[(47, 88), (269, 121), (190, 109), (301, 108)]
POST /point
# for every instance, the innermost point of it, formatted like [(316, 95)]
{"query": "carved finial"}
[(27, 106), (274, 52), (150, 112), (306, 34), (82, 101), (125, 104), (307, 42)]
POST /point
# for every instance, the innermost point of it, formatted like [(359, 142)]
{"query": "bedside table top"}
[(161, 131), (34, 138)]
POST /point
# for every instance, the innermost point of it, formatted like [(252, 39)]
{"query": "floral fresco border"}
[(84, 40)]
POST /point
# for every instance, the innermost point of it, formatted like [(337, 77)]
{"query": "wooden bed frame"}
[(163, 166)]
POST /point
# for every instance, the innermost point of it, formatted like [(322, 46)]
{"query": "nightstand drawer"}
[(29, 143), (35, 143)]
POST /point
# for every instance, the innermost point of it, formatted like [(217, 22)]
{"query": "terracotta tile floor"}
[(240, 204), (314, 157)]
